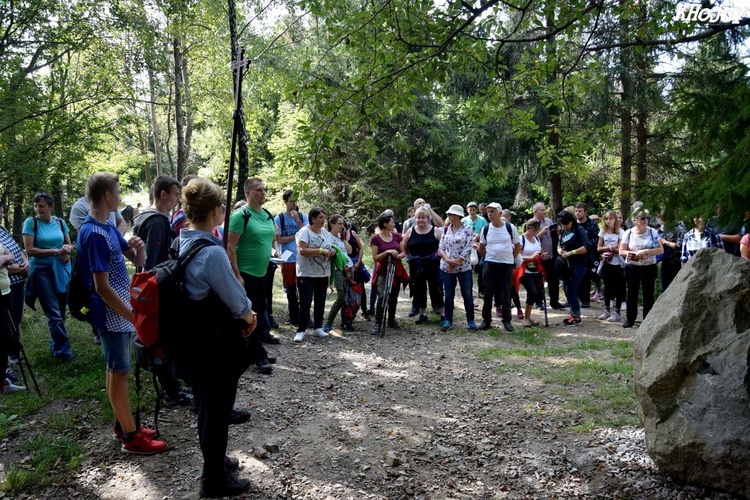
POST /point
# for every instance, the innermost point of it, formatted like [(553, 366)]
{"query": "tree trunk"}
[(553, 136), (187, 109), (641, 138), (142, 142), (243, 163), (626, 155), (179, 114), (154, 130)]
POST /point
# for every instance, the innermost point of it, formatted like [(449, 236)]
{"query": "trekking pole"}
[(390, 274), (544, 305), (22, 359)]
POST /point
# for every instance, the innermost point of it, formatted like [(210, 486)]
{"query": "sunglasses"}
[(44, 196), (642, 218)]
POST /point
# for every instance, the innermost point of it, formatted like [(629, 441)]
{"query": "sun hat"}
[(456, 210)]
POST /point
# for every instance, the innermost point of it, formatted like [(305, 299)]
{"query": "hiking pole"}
[(22, 359), (389, 276), (544, 304)]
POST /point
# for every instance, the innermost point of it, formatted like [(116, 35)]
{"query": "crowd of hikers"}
[(228, 314)]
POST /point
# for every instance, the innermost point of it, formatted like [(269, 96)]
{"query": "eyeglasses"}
[(642, 218), (44, 196)]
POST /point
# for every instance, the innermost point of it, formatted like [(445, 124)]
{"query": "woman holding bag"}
[(47, 243)]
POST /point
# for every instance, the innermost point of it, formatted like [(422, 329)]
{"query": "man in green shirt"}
[(249, 245)]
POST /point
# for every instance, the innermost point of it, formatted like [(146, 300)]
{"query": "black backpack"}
[(78, 293)]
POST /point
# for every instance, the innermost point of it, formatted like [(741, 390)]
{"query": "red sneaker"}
[(142, 445), (149, 433)]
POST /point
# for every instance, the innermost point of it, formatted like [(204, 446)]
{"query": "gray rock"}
[(692, 374), (392, 459)]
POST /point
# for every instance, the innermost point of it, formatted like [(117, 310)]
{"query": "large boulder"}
[(692, 374)]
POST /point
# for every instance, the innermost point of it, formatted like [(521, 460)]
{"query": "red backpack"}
[(159, 302)]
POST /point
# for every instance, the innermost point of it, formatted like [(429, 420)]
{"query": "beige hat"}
[(456, 210), (472, 204), (494, 205)]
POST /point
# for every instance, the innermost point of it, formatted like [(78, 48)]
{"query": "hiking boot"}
[(628, 324), (9, 387), (179, 399), (227, 486), (237, 417), (326, 327), (264, 367), (606, 314), (149, 433), (485, 325), (392, 323), (615, 318), (472, 326), (319, 332), (414, 311), (139, 444), (423, 318), (232, 464), (269, 339), (508, 326), (375, 330), (445, 326), (571, 321), (299, 337)]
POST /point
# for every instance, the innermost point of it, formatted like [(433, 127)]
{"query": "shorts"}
[(116, 347)]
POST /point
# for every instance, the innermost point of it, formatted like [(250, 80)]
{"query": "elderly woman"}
[(47, 243), (639, 247), (314, 253), (455, 250), (572, 250), (421, 243), (386, 247), (340, 238)]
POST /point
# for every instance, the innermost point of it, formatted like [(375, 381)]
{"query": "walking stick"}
[(544, 304), (389, 275), (22, 359)]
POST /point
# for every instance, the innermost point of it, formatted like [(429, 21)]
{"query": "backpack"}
[(246, 216), (486, 229), (159, 300), (78, 294), (352, 293)]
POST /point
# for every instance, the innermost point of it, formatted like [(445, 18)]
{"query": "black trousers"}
[(640, 278), (215, 397), (392, 300), (497, 278), (553, 282), (311, 290), (255, 288)]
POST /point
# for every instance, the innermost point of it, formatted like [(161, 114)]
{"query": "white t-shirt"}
[(500, 244), (317, 265), (635, 241), (613, 240)]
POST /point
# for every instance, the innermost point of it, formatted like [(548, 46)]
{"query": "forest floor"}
[(419, 413)]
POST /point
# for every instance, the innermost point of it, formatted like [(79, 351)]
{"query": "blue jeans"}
[(449, 285), (53, 304), (577, 272)]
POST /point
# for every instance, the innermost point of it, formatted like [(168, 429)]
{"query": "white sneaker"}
[(299, 337), (623, 307), (9, 386), (604, 315), (614, 318), (320, 332)]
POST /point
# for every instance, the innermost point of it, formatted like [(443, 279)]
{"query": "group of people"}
[(230, 291)]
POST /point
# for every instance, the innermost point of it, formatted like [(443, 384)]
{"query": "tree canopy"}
[(368, 105)]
